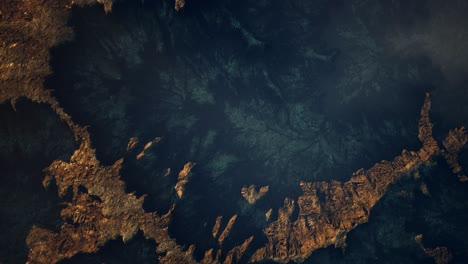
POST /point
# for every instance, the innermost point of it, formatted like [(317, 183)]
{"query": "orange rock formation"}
[(227, 229), (183, 177), (100, 210), (235, 254), (329, 210), (132, 142), (147, 146), (251, 195), (453, 144), (179, 4), (441, 255), (268, 214), (216, 226)]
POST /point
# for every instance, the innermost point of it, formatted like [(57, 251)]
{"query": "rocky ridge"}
[(252, 195), (329, 210)]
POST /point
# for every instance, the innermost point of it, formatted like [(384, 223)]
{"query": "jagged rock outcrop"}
[(251, 195), (453, 144), (268, 214), (132, 142), (100, 210), (227, 229), (329, 210), (235, 254), (232, 256), (216, 226), (183, 178), (441, 255), (179, 4), (147, 146)]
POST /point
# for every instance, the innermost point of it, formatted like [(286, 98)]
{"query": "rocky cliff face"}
[(252, 195)]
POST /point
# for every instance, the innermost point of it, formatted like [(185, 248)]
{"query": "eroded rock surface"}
[(179, 4), (453, 144), (441, 255), (251, 195), (216, 226), (132, 142), (100, 210), (227, 229), (329, 210), (146, 147), (183, 178), (268, 214), (232, 256)]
